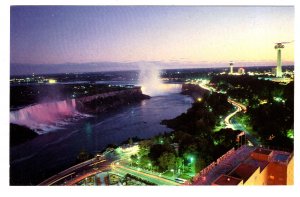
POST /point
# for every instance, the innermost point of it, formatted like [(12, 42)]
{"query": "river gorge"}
[(47, 154)]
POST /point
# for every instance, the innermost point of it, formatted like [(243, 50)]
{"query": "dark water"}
[(38, 159)]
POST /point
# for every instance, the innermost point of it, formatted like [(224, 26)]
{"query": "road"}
[(122, 170), (115, 164), (229, 118), (240, 107), (78, 172), (231, 123)]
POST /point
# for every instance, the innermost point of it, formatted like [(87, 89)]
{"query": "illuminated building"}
[(241, 71), (262, 167), (278, 47), (231, 67), (51, 81), (249, 165)]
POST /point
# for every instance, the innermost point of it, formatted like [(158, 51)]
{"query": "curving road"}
[(240, 107), (78, 172), (228, 119), (230, 123)]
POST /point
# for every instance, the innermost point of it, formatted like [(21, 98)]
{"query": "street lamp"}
[(172, 170), (191, 159), (150, 166)]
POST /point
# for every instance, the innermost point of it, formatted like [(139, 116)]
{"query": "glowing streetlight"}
[(150, 166), (192, 159), (172, 170)]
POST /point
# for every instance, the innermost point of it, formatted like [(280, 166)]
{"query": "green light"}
[(191, 159), (290, 133), (278, 99)]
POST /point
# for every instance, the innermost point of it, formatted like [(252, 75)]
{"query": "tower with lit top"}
[(279, 46), (231, 67)]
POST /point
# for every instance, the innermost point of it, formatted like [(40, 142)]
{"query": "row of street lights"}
[(191, 159)]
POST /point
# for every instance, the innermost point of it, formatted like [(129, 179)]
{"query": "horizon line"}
[(131, 70)]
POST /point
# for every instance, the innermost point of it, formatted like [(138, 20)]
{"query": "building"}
[(279, 47), (274, 71), (231, 68), (262, 167), (241, 71), (249, 165)]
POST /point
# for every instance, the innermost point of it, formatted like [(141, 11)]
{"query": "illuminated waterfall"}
[(44, 117)]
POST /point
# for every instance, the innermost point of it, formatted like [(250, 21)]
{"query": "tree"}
[(199, 165), (167, 161), (157, 150), (134, 159), (179, 163), (130, 141)]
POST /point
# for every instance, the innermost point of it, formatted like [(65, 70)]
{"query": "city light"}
[(52, 81)]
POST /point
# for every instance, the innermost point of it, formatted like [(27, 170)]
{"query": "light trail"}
[(61, 178), (97, 162), (227, 119), (156, 178)]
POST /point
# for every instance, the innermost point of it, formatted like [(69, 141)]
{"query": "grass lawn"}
[(185, 176), (168, 173)]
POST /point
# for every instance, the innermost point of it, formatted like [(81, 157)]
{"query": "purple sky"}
[(172, 36)]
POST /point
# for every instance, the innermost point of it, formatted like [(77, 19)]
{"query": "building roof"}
[(227, 180), (257, 163), (243, 171), (263, 151), (281, 157)]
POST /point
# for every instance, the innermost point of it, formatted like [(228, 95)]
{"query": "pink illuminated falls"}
[(45, 117)]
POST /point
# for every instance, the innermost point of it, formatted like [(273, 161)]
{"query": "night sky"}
[(172, 36)]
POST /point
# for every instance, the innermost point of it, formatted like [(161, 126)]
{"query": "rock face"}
[(193, 90), (20, 134), (103, 102)]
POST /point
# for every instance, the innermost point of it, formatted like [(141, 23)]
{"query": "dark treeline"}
[(104, 104)]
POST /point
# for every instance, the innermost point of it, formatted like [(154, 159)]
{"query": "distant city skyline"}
[(116, 37)]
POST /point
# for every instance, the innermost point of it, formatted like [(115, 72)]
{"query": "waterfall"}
[(45, 117), (151, 82)]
